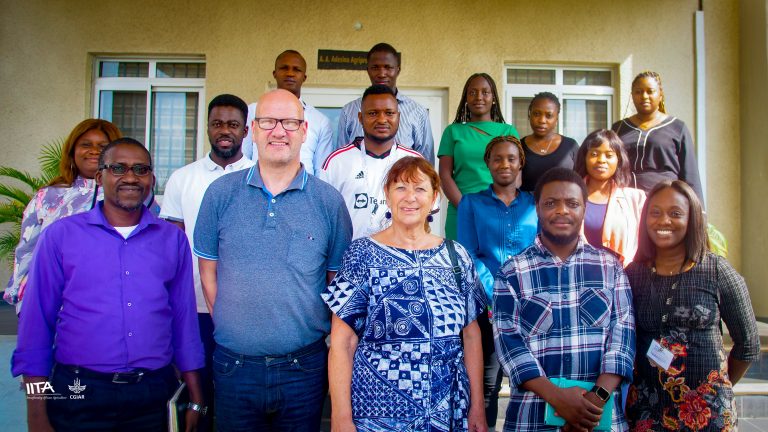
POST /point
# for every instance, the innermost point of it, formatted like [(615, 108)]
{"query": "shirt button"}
[(130, 304), (271, 214), (509, 256), (130, 333), (274, 200), (126, 243), (565, 296), (127, 273)]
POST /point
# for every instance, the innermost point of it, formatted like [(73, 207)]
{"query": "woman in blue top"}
[(494, 225)]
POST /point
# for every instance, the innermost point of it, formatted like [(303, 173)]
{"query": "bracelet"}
[(199, 408)]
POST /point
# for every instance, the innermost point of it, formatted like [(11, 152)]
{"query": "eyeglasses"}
[(139, 170), (288, 124)]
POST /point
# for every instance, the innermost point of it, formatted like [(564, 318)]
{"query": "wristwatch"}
[(195, 407), (601, 393)]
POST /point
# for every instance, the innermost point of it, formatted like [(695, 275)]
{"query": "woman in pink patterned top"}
[(73, 191)]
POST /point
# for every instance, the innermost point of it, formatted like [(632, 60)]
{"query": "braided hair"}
[(654, 76), (463, 114), (544, 95)]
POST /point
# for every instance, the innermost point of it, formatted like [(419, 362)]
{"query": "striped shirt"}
[(555, 318), (413, 132)]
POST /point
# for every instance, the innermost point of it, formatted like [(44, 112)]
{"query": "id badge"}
[(660, 356)]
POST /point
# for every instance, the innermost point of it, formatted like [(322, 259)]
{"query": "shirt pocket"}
[(306, 252), (595, 307), (695, 309), (536, 314)]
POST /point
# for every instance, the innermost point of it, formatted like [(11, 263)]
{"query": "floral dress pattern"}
[(49, 204), (408, 370), (695, 393)]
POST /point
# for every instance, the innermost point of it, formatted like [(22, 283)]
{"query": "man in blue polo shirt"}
[(268, 240)]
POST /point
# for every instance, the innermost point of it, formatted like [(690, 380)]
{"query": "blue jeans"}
[(271, 393)]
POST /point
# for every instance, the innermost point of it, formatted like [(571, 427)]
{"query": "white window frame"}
[(559, 89), (152, 84)]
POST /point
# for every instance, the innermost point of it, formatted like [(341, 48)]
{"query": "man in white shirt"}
[(414, 131), (185, 190), (357, 170), (290, 74)]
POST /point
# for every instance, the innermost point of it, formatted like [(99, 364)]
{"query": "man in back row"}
[(358, 170), (290, 73), (414, 131)]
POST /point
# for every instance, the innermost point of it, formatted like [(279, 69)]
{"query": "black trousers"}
[(493, 373), (108, 406)]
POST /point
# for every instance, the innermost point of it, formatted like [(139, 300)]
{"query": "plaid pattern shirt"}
[(555, 318)]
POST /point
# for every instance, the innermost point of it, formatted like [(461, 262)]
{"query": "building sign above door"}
[(335, 59)]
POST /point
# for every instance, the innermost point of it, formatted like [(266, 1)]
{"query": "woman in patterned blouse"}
[(73, 191), (681, 291), (406, 349)]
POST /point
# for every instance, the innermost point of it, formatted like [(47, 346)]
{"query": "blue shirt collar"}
[(254, 179)]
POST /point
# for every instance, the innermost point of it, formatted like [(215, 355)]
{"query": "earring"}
[(430, 218), (388, 215)]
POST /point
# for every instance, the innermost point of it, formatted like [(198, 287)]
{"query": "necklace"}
[(549, 144)]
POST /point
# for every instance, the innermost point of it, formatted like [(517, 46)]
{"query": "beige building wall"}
[(47, 49), (753, 50)]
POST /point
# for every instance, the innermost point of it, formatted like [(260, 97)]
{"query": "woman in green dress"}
[(462, 147)]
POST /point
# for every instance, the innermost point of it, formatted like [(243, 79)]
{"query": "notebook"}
[(552, 420)]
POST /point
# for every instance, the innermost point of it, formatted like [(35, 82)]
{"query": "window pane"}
[(530, 76), (127, 110), (520, 115), (181, 70), (174, 133), (124, 69), (583, 116), (582, 77)]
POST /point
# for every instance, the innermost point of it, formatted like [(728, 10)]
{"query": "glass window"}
[(530, 76), (174, 133), (520, 115), (159, 105), (582, 116), (181, 70), (124, 69), (585, 94), (587, 77)]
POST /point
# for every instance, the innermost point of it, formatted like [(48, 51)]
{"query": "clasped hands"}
[(580, 409)]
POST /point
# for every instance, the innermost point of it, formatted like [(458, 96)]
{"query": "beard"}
[(226, 154), (558, 239)]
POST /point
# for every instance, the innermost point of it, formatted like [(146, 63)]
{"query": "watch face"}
[(601, 393)]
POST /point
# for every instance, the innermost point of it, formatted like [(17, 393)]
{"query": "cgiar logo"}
[(77, 389)]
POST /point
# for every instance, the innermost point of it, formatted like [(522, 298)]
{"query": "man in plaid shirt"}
[(563, 309)]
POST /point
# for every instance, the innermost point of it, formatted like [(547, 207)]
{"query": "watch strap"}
[(199, 408)]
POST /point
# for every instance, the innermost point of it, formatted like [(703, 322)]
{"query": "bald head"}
[(279, 129), (280, 100)]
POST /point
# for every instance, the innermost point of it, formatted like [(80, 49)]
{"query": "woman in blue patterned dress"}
[(73, 191), (397, 361)]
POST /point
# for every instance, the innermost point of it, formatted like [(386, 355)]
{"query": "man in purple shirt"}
[(109, 306)]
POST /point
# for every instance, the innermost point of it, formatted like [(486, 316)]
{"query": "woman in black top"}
[(545, 148), (659, 146)]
